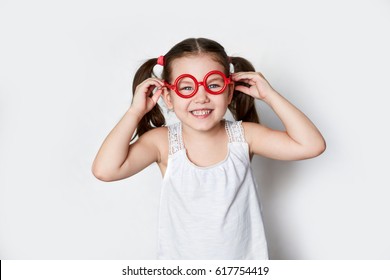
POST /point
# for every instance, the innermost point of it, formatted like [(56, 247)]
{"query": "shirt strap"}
[(175, 138), (235, 131)]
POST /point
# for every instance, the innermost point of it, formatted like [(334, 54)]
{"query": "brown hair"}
[(242, 105)]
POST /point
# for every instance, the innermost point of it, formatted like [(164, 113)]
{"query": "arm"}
[(116, 158), (301, 139)]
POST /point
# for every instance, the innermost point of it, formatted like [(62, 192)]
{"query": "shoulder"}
[(253, 129), (158, 131), (156, 139), (157, 135), (154, 134), (254, 133)]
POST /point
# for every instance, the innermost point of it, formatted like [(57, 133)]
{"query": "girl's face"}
[(203, 111)]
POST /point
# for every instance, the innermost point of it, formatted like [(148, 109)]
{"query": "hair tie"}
[(160, 60), (231, 66)]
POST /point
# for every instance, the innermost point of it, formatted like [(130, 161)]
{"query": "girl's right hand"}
[(143, 101)]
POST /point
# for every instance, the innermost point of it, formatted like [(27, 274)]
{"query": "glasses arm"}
[(171, 87)]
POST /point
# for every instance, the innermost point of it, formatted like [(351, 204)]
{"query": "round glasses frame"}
[(174, 87)]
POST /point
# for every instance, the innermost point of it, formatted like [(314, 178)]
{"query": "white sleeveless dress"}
[(210, 212)]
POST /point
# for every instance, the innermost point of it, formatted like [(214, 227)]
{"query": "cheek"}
[(226, 98), (178, 102)]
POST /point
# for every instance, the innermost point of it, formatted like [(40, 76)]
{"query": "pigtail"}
[(154, 118), (242, 105)]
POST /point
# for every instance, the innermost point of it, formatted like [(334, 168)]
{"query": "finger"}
[(243, 76), (151, 82), (248, 75), (156, 95), (243, 89), (159, 81), (245, 83), (152, 86)]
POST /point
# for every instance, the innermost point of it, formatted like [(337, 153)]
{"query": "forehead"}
[(196, 65)]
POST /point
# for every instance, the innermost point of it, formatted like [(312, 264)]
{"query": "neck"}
[(190, 133)]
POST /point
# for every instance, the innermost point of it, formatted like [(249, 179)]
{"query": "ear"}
[(167, 98)]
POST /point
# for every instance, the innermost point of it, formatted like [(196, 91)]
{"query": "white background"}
[(66, 69)]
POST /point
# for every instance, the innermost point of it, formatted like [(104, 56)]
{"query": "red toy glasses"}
[(186, 85)]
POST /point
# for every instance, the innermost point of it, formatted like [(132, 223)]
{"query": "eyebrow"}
[(186, 82), (215, 78)]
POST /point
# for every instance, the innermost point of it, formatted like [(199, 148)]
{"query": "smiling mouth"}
[(201, 113)]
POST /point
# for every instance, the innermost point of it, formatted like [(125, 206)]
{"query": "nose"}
[(202, 95)]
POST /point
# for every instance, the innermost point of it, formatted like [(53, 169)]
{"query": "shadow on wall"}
[(273, 179)]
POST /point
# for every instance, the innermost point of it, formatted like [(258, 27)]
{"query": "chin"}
[(204, 124)]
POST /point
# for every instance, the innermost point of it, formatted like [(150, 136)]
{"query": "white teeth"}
[(201, 112)]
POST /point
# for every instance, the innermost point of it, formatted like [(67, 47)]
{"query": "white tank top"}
[(210, 212)]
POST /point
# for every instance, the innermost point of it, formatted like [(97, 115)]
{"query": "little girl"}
[(209, 205)]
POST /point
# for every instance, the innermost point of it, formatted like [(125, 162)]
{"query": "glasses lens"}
[(215, 83), (186, 86)]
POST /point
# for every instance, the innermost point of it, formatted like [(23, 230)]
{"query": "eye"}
[(214, 86), (186, 88), (215, 83), (186, 85)]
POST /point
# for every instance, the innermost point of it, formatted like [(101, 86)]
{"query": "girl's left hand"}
[(259, 87)]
